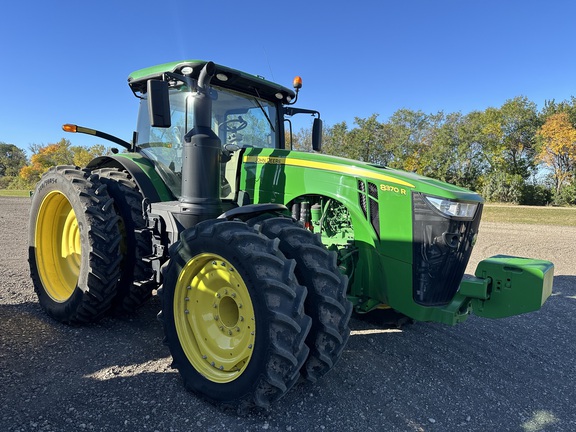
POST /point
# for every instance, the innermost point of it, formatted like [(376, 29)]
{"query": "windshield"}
[(239, 120)]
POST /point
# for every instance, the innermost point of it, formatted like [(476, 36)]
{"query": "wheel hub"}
[(58, 246), (214, 317)]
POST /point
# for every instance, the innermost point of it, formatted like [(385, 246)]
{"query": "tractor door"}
[(242, 121)]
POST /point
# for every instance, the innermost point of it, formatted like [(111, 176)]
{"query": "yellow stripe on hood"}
[(352, 170)]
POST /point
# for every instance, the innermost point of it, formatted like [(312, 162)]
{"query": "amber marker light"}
[(70, 128), (297, 83)]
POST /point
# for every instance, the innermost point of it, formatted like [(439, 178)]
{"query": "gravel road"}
[(514, 374)]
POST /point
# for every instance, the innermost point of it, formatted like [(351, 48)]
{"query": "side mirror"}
[(317, 134), (158, 104)]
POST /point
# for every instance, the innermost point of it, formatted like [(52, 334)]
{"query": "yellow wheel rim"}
[(214, 318), (58, 249)]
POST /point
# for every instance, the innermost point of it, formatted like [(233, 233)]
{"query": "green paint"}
[(148, 168), (155, 72), (380, 267), (518, 285)]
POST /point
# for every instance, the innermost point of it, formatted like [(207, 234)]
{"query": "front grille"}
[(362, 197), (370, 201), (374, 208), (441, 250)]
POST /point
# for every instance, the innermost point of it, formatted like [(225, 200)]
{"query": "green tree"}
[(505, 138), (301, 140), (508, 137), (82, 155), (12, 159), (520, 124), (334, 139), (503, 187), (454, 156), (366, 142), (552, 107), (408, 136), (436, 145)]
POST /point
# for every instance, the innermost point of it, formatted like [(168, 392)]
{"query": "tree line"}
[(514, 153), (19, 172)]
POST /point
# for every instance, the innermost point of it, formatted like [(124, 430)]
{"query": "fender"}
[(141, 169), (252, 210)]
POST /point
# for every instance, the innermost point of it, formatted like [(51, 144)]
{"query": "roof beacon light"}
[(297, 83)]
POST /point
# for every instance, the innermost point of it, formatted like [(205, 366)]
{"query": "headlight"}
[(453, 208)]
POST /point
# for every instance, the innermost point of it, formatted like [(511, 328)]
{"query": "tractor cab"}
[(246, 111), (238, 120)]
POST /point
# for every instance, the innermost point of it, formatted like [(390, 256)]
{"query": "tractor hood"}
[(388, 177)]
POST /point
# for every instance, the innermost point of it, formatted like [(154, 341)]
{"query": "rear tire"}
[(74, 245), (326, 302), (233, 315), (135, 284)]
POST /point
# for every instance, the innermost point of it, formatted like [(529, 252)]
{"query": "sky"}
[(68, 61)]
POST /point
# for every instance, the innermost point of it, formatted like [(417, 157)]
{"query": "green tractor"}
[(258, 253)]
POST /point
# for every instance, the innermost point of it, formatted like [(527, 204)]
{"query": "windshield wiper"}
[(264, 112)]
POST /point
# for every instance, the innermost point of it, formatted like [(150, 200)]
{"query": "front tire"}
[(233, 314), (74, 245), (326, 302)]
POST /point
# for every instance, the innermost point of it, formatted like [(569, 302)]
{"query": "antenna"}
[(268, 61)]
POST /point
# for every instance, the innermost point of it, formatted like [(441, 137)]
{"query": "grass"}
[(555, 216), (14, 193)]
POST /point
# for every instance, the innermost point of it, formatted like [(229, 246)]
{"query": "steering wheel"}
[(234, 125)]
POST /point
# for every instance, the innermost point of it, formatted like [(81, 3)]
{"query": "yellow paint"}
[(214, 317), (58, 248), (395, 189), (343, 169)]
